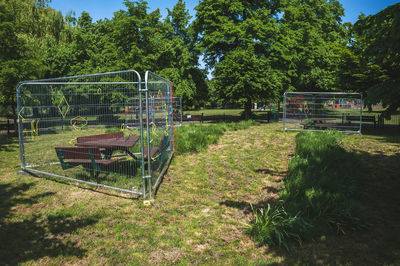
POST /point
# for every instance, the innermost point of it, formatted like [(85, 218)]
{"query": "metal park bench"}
[(193, 118), (364, 118)]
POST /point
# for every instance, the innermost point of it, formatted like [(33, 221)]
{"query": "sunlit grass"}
[(318, 196)]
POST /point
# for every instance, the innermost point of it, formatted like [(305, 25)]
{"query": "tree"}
[(378, 37), (25, 27), (181, 59), (316, 32), (179, 19), (229, 32), (17, 61), (258, 81)]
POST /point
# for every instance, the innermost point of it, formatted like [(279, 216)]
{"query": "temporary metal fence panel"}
[(313, 111), (159, 125), (90, 129)]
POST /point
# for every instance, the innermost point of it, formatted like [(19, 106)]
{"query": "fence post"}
[(381, 121), (284, 112), (8, 126)]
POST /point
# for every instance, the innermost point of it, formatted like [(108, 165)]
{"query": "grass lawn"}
[(234, 114), (226, 114), (201, 210)]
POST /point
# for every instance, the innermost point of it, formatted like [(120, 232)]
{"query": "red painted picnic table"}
[(111, 144)]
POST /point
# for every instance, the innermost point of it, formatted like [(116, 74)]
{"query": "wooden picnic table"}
[(111, 144)]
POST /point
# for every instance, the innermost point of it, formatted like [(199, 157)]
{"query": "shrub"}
[(273, 225)]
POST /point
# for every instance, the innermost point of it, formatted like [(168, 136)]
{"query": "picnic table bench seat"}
[(157, 151), (153, 152), (74, 156), (89, 157)]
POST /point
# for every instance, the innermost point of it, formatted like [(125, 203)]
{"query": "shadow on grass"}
[(271, 172), (8, 143), (221, 118), (379, 244), (245, 206), (388, 134), (108, 192), (30, 237), (84, 174)]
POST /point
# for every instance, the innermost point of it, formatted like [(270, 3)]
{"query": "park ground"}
[(201, 211)]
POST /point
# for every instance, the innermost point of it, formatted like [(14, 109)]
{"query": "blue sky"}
[(99, 9)]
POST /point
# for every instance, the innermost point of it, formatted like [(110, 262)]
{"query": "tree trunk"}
[(15, 116), (247, 109)]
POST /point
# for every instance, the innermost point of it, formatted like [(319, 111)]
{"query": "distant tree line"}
[(256, 49)]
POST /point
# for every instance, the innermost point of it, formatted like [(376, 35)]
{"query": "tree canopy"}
[(255, 49), (378, 46)]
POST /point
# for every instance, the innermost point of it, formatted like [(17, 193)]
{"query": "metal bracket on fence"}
[(143, 90), (147, 176)]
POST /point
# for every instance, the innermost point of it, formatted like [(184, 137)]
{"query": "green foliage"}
[(257, 55), (319, 194), (195, 138), (377, 44), (235, 38), (274, 225), (256, 49), (313, 29), (24, 28)]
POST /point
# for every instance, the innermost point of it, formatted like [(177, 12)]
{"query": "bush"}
[(273, 225), (319, 192)]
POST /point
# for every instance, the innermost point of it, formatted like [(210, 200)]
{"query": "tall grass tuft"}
[(196, 137), (319, 194)]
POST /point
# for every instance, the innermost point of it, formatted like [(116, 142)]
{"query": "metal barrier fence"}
[(159, 114), (98, 129), (323, 110)]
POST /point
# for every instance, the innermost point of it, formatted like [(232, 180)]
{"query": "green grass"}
[(201, 210), (226, 115), (318, 196), (196, 137)]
